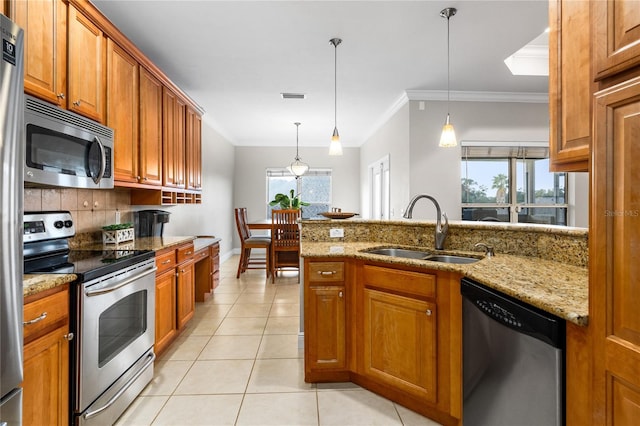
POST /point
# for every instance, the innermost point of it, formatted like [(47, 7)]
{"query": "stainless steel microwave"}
[(65, 149)]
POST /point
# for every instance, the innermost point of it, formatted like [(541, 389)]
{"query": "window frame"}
[(285, 172)]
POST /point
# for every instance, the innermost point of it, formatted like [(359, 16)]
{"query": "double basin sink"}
[(422, 255)]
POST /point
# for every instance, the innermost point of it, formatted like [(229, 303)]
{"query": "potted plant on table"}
[(288, 201)]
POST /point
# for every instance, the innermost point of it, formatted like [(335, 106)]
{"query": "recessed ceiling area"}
[(236, 58)]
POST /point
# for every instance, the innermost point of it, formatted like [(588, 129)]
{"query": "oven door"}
[(116, 327)]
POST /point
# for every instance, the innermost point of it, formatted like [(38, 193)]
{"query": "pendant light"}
[(448, 137), (335, 147), (298, 168)]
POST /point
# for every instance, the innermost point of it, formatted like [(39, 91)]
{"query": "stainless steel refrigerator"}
[(11, 205)]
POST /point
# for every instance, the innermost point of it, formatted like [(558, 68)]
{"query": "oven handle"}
[(89, 414), (91, 293)]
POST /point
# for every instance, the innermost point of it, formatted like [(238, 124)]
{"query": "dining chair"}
[(285, 241), (248, 242)]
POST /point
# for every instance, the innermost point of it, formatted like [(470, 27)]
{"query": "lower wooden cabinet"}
[(400, 342), (325, 312), (186, 299), (45, 398), (166, 324)]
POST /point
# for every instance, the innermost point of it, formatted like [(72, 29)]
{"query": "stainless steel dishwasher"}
[(513, 361)]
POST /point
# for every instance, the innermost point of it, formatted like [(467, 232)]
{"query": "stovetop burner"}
[(46, 249)]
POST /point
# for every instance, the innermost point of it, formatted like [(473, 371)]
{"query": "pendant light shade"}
[(335, 147), (448, 137), (298, 168)]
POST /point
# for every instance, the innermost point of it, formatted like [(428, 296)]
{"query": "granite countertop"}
[(554, 287), (35, 283)]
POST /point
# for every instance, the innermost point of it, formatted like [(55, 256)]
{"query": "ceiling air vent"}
[(293, 95)]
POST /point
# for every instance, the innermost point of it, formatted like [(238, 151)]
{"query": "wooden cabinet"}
[(614, 237), (214, 252), (325, 321), (166, 324), (45, 48), (175, 293), (193, 167), (173, 145), (185, 272), (570, 85), (400, 340), (122, 111), (150, 129), (616, 37), (45, 397), (86, 66)]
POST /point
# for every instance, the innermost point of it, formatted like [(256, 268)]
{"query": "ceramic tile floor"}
[(238, 363)]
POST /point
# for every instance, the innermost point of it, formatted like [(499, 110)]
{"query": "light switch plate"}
[(336, 232)]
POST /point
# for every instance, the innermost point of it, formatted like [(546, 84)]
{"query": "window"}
[(314, 188), (512, 184)]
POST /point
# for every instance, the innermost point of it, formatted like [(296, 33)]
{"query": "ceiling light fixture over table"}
[(335, 148), (448, 137), (298, 168)]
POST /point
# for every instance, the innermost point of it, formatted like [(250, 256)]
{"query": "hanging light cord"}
[(448, 66), (297, 126), (335, 85)]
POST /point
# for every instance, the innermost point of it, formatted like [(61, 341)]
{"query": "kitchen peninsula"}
[(354, 294)]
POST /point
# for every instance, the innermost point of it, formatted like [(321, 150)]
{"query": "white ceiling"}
[(234, 58)]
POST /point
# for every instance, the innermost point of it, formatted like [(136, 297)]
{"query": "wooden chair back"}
[(241, 223), (285, 230)]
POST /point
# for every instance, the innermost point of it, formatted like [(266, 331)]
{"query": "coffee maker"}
[(150, 223)]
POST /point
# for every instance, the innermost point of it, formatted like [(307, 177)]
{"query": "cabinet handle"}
[(77, 103), (166, 262), (327, 272), (69, 336), (188, 253), (60, 95), (428, 312), (35, 320), (145, 178), (340, 294)]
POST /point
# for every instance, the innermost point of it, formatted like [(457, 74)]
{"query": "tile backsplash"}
[(90, 209)]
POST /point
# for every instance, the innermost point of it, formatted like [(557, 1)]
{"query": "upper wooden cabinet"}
[(174, 116), (570, 85), (45, 48), (122, 111), (194, 150), (616, 36), (87, 71), (150, 129)]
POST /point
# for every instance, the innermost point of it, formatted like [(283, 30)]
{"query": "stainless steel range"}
[(113, 316)]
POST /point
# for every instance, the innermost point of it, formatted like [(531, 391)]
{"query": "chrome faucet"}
[(441, 231)]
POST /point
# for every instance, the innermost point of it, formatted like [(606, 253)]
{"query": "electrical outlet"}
[(336, 233)]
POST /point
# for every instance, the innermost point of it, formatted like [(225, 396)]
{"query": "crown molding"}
[(386, 116), (462, 96)]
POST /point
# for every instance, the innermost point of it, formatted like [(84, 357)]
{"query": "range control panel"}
[(40, 226)]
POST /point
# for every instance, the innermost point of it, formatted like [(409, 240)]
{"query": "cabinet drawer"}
[(40, 316), (326, 272), (201, 254), (215, 249), (165, 260), (415, 283), (185, 252)]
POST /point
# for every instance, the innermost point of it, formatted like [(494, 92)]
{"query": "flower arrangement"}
[(288, 201)]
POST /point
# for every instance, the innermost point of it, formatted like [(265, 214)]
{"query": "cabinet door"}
[(173, 139), (122, 111), (166, 325), (193, 152), (570, 85), (400, 343), (150, 129), (614, 238), (45, 48), (86, 73), (325, 328), (45, 395), (616, 27), (186, 293)]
